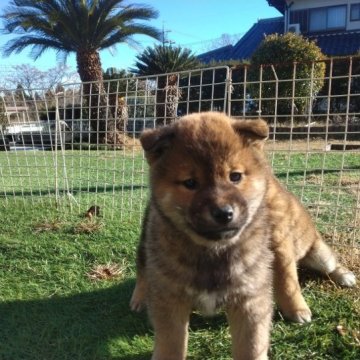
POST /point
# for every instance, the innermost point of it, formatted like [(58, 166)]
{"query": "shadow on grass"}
[(74, 327), (95, 189), (281, 174)]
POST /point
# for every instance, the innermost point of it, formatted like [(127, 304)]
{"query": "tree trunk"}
[(167, 96), (90, 71)]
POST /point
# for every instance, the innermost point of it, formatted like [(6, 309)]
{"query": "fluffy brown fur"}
[(216, 222), (205, 242), (294, 240)]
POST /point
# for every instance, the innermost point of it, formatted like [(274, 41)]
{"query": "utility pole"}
[(164, 38)]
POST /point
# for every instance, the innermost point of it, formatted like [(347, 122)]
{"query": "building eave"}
[(278, 5)]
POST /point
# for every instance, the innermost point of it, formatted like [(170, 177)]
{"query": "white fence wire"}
[(79, 147)]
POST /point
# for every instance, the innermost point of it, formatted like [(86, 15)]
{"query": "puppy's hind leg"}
[(322, 258), (287, 290)]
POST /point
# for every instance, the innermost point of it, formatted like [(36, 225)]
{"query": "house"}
[(16, 113), (333, 24)]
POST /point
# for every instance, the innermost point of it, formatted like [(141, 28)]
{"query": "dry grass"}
[(353, 333), (350, 257), (314, 179), (108, 271), (88, 227), (344, 241), (350, 180), (46, 226), (123, 141)]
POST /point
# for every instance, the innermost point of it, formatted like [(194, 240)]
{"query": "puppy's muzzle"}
[(222, 215), (217, 212)]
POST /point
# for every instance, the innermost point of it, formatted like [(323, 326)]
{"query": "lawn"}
[(57, 303)]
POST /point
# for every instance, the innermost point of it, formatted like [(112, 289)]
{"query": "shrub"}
[(337, 78), (283, 51)]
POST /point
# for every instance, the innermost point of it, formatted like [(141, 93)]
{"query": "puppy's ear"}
[(155, 142), (254, 132)]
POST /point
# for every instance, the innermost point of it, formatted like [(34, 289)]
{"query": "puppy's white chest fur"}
[(207, 302)]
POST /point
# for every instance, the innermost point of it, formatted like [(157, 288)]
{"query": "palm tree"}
[(124, 82), (83, 27), (165, 59)]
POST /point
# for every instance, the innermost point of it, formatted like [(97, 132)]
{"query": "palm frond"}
[(80, 26), (162, 59), (123, 34), (37, 45), (87, 24), (131, 13)]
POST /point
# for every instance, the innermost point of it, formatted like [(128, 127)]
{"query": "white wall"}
[(309, 4)]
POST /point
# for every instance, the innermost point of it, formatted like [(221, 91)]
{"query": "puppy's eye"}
[(235, 177), (190, 184)]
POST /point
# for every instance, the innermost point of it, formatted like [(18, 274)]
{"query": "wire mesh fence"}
[(79, 147)]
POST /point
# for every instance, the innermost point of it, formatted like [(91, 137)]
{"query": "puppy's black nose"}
[(223, 214)]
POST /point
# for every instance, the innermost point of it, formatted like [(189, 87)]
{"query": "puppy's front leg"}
[(138, 298), (170, 320), (250, 323)]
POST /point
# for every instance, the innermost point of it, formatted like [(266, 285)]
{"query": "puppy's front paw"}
[(137, 302), (343, 277), (300, 316)]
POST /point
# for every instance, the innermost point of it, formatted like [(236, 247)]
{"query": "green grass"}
[(115, 181), (51, 309), (331, 194)]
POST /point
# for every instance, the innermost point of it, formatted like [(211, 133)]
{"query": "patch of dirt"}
[(314, 179), (350, 180)]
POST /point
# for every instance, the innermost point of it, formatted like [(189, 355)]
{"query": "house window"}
[(327, 18), (355, 12), (300, 17)]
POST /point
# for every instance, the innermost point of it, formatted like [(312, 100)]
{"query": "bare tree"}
[(223, 40), (27, 76), (59, 74), (31, 78)]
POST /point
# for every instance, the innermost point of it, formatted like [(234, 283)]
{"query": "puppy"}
[(205, 239), (215, 210)]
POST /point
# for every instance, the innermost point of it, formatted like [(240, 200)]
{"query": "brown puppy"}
[(205, 241), (214, 204)]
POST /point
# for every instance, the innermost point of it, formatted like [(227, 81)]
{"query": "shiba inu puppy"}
[(205, 241), (219, 230)]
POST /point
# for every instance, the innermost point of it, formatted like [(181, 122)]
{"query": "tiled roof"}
[(223, 53), (338, 44), (334, 44), (244, 48)]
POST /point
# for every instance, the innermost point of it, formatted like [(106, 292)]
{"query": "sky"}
[(193, 24)]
